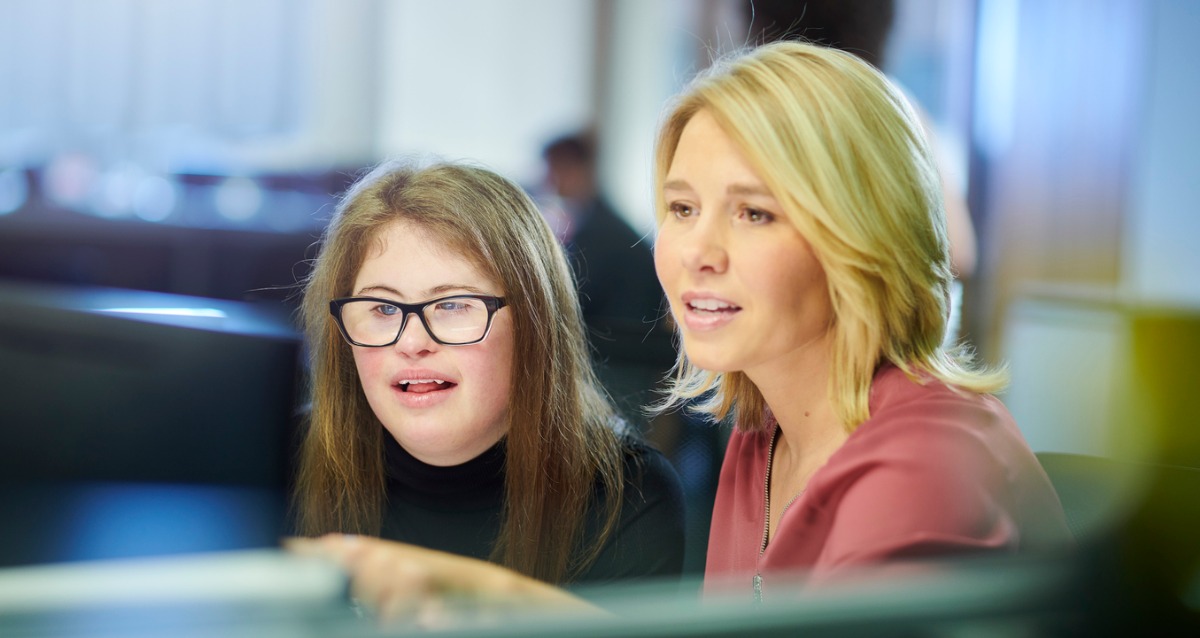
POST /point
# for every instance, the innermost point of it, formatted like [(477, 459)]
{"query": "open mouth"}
[(422, 386), (712, 307)]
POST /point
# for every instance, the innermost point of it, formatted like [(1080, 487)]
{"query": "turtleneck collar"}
[(467, 486)]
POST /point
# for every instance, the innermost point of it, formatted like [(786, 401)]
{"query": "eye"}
[(681, 210), (756, 216), (453, 305), (386, 310)]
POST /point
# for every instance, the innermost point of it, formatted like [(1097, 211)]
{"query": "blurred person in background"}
[(802, 247), (452, 402), (614, 271), (623, 310)]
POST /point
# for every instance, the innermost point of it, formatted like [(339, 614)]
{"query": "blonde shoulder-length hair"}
[(560, 443), (843, 152)]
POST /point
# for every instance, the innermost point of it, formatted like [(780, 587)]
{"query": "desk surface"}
[(274, 594), (243, 593)]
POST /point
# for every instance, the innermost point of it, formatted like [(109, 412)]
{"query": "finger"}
[(343, 548), (384, 577), (433, 613), (302, 545)]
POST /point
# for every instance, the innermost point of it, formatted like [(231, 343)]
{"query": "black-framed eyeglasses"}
[(458, 320)]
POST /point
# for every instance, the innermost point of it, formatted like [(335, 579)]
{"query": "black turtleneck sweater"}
[(456, 509)]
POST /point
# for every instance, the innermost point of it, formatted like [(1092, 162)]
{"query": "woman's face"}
[(465, 412), (744, 286)]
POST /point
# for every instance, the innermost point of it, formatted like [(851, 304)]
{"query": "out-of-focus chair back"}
[(1137, 527), (1094, 490)]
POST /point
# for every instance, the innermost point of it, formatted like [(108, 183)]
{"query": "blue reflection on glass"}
[(122, 520)]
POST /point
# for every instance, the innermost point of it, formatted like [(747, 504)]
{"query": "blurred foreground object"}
[(249, 593), (140, 424), (1105, 391)]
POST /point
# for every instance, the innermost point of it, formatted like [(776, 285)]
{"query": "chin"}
[(712, 362), (437, 453)]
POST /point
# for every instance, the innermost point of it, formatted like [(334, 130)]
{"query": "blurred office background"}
[(198, 146)]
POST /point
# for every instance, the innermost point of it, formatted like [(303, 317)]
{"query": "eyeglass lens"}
[(452, 320)]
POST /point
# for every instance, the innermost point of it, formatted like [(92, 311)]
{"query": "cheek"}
[(492, 404), (667, 268), (496, 371), (368, 362), (798, 285), (664, 259), (494, 364)]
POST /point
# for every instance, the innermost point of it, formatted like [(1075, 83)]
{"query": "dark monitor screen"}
[(138, 423)]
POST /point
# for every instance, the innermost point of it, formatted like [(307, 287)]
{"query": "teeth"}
[(709, 304), (409, 381)]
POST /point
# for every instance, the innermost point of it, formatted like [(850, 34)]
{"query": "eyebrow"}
[(734, 189), (428, 293), (749, 189), (676, 185)]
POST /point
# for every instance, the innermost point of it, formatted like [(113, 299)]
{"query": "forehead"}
[(704, 147), (406, 256)]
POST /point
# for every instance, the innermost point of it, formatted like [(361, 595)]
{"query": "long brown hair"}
[(560, 442)]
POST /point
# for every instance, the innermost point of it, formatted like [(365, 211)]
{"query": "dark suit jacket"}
[(622, 304)]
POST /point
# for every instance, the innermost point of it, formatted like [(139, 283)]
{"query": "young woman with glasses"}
[(453, 403), (802, 248)]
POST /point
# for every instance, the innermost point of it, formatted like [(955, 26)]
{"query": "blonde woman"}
[(802, 247)]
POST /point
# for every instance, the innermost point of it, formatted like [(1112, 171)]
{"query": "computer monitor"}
[(136, 423)]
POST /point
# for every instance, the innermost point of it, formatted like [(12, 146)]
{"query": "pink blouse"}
[(932, 472)]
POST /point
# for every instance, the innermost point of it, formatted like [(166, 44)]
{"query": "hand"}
[(431, 588)]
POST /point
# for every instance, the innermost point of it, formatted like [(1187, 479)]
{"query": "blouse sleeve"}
[(935, 493)]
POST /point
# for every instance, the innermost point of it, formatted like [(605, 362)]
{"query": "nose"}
[(415, 339), (703, 248)]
